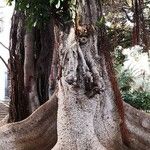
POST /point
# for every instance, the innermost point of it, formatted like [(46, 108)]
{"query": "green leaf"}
[(101, 22), (58, 4), (52, 2)]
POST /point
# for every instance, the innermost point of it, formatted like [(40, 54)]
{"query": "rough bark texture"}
[(18, 109), (4, 120), (88, 99), (31, 52), (105, 45), (39, 131), (44, 57), (138, 124), (88, 116)]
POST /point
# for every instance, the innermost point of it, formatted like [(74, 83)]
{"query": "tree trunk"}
[(136, 28), (37, 132), (18, 109), (29, 72), (44, 60), (41, 128), (31, 52), (87, 112), (90, 114)]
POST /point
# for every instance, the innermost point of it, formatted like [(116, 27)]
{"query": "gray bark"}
[(87, 116), (41, 127), (38, 131), (29, 72), (85, 97)]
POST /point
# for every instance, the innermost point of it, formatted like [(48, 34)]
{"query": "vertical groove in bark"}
[(55, 66), (117, 95), (104, 50), (44, 61), (18, 109)]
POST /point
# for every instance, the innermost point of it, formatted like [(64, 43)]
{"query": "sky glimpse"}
[(5, 23)]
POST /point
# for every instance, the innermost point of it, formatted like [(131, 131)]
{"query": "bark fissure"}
[(18, 106)]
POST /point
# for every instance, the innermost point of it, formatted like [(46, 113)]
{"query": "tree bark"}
[(18, 109), (85, 96), (31, 52), (38, 131), (44, 60), (29, 72), (90, 113), (41, 127)]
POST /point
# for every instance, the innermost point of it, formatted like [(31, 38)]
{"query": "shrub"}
[(134, 81)]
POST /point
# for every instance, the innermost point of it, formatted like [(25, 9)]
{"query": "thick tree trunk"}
[(90, 113), (85, 97), (41, 127), (31, 52)]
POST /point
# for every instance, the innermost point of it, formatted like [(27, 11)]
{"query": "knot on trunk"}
[(83, 32), (71, 79), (83, 40), (93, 91)]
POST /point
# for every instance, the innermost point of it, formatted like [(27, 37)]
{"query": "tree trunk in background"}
[(18, 109), (29, 72), (44, 60), (137, 26), (140, 29), (31, 53)]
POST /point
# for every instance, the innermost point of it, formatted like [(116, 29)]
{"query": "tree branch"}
[(4, 62), (5, 46), (127, 15)]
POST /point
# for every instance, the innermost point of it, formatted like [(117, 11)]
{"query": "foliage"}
[(138, 99), (101, 22), (119, 36), (119, 27), (127, 22), (39, 11), (125, 80), (134, 85), (119, 58)]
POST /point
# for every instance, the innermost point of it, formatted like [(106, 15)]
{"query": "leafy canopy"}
[(38, 12)]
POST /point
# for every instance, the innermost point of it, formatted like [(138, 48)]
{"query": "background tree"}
[(31, 51), (127, 22)]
